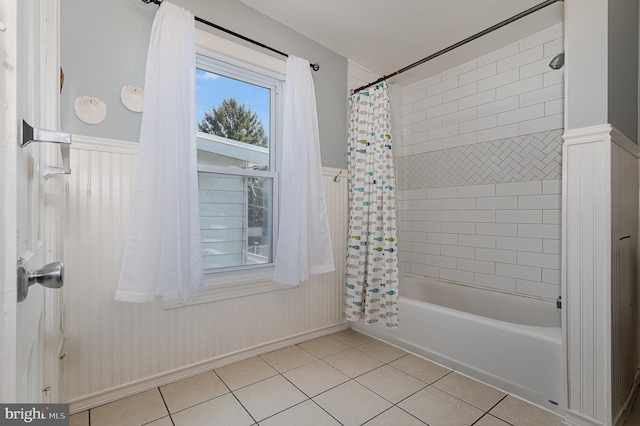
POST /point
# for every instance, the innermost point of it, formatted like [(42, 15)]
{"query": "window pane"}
[(237, 116), (235, 220)]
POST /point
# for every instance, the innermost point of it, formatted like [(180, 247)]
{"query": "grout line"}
[(165, 406), (494, 406), (322, 408), (234, 395), (309, 398), (282, 411), (245, 408), (400, 408)]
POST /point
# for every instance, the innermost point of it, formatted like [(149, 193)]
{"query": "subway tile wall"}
[(508, 93), (503, 236), (478, 164), (479, 169)]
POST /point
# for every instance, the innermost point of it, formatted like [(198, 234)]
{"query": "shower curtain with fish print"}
[(372, 263)]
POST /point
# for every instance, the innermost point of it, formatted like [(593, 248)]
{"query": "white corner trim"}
[(624, 142), (336, 173), (92, 143), (132, 388), (591, 134)]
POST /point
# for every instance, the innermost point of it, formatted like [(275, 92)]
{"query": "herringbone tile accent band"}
[(537, 156)]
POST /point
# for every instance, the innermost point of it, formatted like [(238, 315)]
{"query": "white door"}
[(31, 330)]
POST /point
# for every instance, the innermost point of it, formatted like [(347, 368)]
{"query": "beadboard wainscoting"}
[(600, 274), (116, 349)]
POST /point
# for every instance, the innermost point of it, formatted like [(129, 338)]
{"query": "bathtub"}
[(511, 342)]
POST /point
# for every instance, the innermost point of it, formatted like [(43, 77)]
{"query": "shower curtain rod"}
[(314, 67), (460, 43)]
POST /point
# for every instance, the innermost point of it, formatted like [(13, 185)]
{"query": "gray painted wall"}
[(602, 64), (586, 63), (104, 47), (623, 66)]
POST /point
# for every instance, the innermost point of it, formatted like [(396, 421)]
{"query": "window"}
[(237, 167), (237, 178)]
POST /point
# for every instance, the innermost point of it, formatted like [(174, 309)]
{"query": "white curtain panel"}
[(372, 263), (162, 255), (304, 242)]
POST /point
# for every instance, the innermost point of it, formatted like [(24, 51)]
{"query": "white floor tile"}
[(351, 403), (396, 417), (381, 350), (323, 347), (165, 421), (315, 378), (223, 410), (192, 391), (245, 372), (132, 411), (420, 368), (79, 419), (391, 383), (308, 414), (437, 408), (353, 362), (288, 358), (346, 376), (489, 420), (352, 337), (472, 391), (520, 413), (268, 397)]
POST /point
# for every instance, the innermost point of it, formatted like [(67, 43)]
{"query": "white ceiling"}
[(384, 36)]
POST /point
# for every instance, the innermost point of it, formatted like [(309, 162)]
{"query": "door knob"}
[(50, 276)]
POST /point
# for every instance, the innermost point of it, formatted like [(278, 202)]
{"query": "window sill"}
[(230, 286)]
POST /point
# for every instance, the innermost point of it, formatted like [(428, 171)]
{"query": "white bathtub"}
[(511, 342)]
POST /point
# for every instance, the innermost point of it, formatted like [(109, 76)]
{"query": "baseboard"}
[(100, 398), (573, 418)]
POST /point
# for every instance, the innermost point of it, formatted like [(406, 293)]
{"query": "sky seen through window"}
[(212, 88)]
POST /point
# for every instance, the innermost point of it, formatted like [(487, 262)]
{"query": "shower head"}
[(557, 62)]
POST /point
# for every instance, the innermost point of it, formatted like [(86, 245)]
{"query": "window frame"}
[(244, 280)]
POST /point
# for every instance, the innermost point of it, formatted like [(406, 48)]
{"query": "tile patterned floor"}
[(346, 378)]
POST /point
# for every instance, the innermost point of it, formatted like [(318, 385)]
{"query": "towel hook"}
[(337, 177)]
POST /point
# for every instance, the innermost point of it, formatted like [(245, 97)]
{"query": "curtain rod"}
[(460, 43), (315, 66)]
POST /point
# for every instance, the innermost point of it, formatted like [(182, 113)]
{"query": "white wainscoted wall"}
[(116, 349), (479, 170), (600, 242)]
